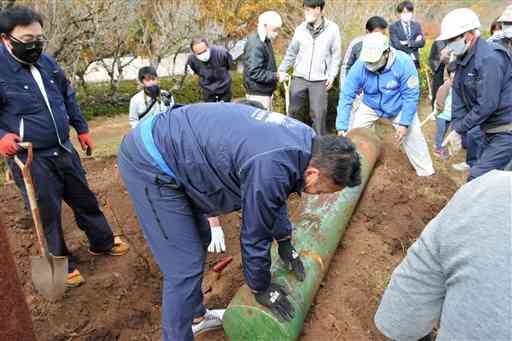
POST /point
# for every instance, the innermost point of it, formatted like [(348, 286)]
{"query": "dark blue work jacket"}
[(228, 157), (21, 100), (482, 88)]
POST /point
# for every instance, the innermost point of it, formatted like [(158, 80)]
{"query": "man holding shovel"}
[(37, 105)]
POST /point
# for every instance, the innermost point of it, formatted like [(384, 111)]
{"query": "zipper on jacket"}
[(312, 57), (378, 89)]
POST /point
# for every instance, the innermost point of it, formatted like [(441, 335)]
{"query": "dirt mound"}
[(121, 299)]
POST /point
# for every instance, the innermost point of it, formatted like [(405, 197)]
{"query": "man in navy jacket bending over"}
[(204, 160)]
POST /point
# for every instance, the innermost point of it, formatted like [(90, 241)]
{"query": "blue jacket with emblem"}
[(228, 157), (21, 100), (394, 90), (482, 88)]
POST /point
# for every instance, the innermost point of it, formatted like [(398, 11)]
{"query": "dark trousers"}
[(302, 92), (210, 98), (62, 177), (473, 141), (496, 154), (437, 81), (178, 237)]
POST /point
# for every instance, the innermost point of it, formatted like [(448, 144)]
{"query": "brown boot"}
[(120, 248)]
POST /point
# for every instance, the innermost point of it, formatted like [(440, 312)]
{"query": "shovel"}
[(49, 273)]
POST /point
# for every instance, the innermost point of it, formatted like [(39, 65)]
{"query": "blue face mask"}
[(458, 47)]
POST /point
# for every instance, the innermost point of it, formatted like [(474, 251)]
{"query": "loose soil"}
[(122, 296)]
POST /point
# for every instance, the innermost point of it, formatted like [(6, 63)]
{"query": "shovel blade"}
[(49, 275)]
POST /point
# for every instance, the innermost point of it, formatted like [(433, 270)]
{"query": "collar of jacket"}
[(471, 52), (14, 65), (391, 60), (406, 22), (315, 32), (262, 34)]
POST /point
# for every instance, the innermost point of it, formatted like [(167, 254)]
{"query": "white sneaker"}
[(461, 167), (212, 320)]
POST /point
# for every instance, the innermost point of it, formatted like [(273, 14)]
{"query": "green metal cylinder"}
[(316, 237)]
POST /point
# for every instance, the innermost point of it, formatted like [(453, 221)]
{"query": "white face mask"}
[(310, 18), (205, 56), (458, 47), (507, 30), (406, 17), (374, 67), (272, 35)]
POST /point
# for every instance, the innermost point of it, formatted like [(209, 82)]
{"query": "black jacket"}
[(397, 34), (260, 70), (434, 58)]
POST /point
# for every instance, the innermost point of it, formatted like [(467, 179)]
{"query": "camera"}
[(167, 98)]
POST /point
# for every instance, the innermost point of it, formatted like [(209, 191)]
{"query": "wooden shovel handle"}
[(29, 186), (28, 147)]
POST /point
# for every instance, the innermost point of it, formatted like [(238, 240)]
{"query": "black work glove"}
[(275, 298), (291, 258)]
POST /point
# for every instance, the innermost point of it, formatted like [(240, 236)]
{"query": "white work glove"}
[(217, 244), (454, 142), (283, 76)]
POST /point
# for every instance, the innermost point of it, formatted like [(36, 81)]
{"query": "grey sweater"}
[(459, 271), (314, 59)]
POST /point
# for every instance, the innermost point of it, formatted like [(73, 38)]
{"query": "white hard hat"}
[(374, 45), (457, 22), (270, 18), (507, 15)]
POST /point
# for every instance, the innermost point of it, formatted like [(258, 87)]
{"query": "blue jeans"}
[(177, 235), (442, 127)]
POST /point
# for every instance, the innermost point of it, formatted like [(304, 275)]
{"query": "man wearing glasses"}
[(38, 105)]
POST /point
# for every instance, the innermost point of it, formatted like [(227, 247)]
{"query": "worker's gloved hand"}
[(291, 257), (400, 134), (283, 76), (454, 143), (9, 144), (275, 298), (217, 244), (86, 142)]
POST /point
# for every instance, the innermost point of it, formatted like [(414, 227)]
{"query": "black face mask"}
[(152, 91), (29, 52)]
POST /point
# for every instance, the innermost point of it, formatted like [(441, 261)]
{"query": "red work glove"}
[(9, 144), (86, 142)]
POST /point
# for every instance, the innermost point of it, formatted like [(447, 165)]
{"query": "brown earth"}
[(121, 299)]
